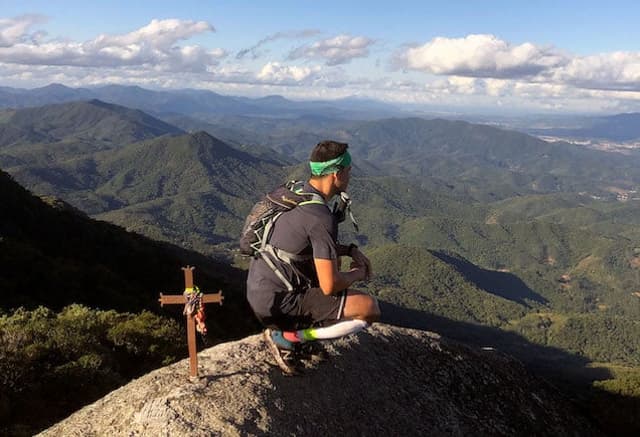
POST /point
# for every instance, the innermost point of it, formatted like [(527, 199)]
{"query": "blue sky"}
[(562, 56)]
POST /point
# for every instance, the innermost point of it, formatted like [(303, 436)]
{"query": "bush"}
[(43, 353)]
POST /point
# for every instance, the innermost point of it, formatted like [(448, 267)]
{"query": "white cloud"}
[(485, 67), (545, 70), (14, 30), (480, 56), (609, 71), (274, 72), (476, 69), (155, 45), (161, 34), (337, 50), (464, 85), (497, 87)]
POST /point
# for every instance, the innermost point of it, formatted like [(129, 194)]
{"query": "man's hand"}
[(360, 272), (358, 259)]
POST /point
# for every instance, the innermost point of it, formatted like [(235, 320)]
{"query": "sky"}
[(511, 56)]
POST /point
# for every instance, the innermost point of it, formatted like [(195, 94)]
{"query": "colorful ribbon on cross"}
[(194, 306)]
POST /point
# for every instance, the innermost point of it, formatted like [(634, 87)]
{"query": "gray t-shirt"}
[(305, 230)]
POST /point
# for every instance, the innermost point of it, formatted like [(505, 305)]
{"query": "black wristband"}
[(351, 247)]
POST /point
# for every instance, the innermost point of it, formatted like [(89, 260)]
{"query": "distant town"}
[(603, 145)]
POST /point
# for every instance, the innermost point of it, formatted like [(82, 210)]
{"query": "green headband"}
[(331, 166)]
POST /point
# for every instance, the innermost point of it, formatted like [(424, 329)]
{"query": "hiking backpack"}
[(257, 229), (258, 226)]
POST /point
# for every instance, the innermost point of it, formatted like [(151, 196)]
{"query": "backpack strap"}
[(267, 249), (315, 199), (298, 187), (268, 252), (264, 254)]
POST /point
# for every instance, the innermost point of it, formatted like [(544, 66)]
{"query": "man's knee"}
[(364, 307), (373, 314)]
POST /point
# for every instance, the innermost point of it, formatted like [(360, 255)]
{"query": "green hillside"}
[(447, 284), (56, 255), (189, 189), (78, 305), (49, 148), (193, 190), (480, 161), (91, 120), (501, 238)]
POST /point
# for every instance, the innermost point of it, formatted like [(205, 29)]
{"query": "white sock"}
[(339, 329)]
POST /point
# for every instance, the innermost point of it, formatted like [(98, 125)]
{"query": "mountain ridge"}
[(92, 119), (81, 260), (189, 101), (548, 253)]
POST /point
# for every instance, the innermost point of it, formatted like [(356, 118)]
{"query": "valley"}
[(496, 238)]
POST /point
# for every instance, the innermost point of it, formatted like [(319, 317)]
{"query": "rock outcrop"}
[(385, 381)]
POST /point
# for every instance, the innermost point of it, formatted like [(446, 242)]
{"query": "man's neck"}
[(324, 186)]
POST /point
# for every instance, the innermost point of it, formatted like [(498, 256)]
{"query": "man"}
[(321, 306)]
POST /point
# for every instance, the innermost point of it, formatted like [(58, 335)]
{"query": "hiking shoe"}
[(313, 351), (283, 351)]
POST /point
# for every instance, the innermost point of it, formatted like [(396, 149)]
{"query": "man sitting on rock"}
[(321, 305)]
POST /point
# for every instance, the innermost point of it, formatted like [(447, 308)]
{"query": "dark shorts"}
[(310, 308)]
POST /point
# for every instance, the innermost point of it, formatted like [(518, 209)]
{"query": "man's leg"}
[(350, 313)]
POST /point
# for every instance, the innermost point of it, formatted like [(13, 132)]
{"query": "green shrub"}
[(42, 353)]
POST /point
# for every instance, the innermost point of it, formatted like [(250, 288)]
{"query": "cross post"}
[(169, 299)]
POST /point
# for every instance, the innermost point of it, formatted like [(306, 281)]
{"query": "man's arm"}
[(332, 280)]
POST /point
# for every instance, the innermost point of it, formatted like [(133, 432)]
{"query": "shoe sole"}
[(275, 351)]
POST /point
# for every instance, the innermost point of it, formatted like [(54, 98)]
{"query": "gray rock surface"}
[(384, 381)]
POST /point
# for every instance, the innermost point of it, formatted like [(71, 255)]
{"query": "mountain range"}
[(469, 223), (193, 102), (203, 106), (149, 172)]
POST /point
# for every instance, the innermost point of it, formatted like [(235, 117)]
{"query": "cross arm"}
[(169, 299)]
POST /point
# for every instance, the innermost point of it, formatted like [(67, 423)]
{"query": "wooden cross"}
[(191, 324)]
